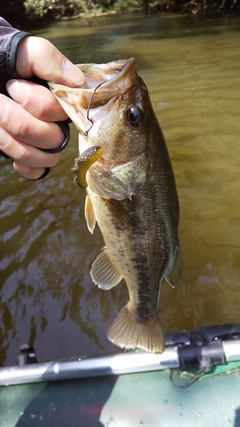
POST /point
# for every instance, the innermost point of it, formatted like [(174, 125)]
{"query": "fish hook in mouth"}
[(89, 107)]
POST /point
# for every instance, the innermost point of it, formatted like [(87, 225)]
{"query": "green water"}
[(191, 67)]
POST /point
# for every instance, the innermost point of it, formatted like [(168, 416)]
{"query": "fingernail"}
[(4, 137), (16, 90), (72, 73), (2, 108)]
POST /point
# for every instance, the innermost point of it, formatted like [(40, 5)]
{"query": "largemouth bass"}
[(131, 194)]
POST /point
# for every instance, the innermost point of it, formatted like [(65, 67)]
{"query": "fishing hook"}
[(89, 106)]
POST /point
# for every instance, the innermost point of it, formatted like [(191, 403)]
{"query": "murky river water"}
[(192, 70)]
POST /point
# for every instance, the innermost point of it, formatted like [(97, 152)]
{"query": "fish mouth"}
[(107, 74), (104, 81)]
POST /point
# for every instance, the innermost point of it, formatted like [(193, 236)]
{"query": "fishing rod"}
[(203, 349)]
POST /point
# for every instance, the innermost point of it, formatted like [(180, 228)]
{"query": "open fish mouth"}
[(107, 74), (113, 79)]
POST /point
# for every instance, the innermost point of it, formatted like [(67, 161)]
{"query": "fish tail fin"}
[(127, 332)]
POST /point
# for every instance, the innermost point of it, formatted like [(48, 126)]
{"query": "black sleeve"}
[(9, 41)]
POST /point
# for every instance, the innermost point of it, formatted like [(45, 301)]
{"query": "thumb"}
[(38, 56)]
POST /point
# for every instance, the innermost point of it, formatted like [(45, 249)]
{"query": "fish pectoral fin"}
[(127, 332), (117, 211), (104, 273), (176, 273), (89, 214)]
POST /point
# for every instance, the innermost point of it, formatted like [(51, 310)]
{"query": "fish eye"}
[(135, 117)]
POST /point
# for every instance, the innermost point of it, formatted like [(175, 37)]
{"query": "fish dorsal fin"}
[(176, 272), (89, 214), (104, 273)]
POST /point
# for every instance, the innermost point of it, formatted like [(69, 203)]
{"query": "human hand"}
[(27, 120)]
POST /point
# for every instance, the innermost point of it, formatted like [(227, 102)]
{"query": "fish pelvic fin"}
[(104, 273), (89, 214), (127, 332), (177, 270)]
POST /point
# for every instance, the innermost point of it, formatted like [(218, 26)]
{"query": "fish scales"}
[(131, 195)]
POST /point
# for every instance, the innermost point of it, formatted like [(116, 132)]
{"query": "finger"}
[(26, 93), (27, 155), (22, 126), (37, 56), (28, 172)]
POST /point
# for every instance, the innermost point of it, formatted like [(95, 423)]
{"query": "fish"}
[(131, 194)]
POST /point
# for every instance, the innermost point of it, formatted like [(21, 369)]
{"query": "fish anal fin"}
[(89, 214), (176, 273), (127, 332), (104, 273)]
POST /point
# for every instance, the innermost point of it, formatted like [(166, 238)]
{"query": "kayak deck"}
[(130, 400)]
